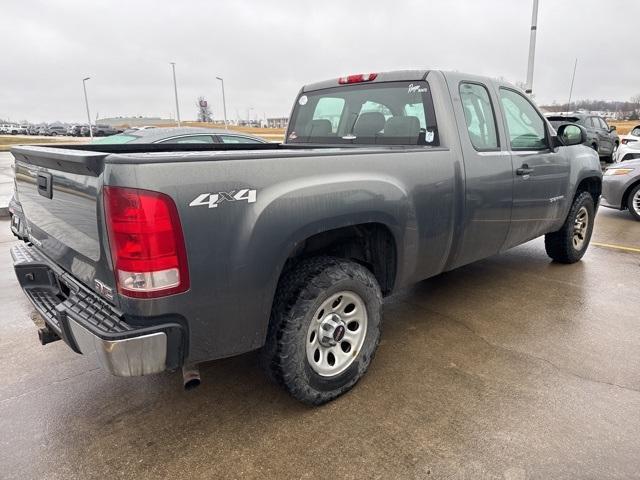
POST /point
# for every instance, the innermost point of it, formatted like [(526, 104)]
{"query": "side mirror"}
[(571, 134), (612, 128)]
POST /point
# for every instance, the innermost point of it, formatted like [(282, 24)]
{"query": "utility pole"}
[(86, 102), (175, 91), (573, 77), (224, 103), (532, 47)]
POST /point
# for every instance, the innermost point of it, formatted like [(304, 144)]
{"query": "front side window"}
[(389, 113), (479, 116), (526, 127)]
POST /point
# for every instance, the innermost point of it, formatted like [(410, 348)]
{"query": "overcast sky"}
[(266, 50)]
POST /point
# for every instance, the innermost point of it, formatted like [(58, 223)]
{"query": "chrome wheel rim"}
[(580, 226), (336, 333), (635, 202)]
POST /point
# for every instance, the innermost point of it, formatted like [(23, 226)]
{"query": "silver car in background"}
[(621, 187)]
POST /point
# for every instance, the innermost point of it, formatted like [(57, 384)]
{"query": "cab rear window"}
[(390, 113)]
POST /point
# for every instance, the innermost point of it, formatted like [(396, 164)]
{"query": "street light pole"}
[(86, 102), (175, 91), (532, 47), (224, 103)]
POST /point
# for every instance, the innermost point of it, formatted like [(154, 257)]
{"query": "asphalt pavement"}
[(511, 368)]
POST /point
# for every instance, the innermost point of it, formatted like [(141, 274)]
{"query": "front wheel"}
[(324, 328), (569, 244), (633, 203)]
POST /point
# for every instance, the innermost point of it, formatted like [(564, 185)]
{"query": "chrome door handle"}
[(524, 170)]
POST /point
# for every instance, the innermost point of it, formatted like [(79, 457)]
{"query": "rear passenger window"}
[(479, 116), (526, 127)]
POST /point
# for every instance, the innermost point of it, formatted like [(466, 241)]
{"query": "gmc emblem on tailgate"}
[(102, 289)]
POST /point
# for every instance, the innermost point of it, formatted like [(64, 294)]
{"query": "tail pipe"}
[(190, 376)]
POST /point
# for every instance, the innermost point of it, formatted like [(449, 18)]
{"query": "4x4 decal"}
[(212, 200)]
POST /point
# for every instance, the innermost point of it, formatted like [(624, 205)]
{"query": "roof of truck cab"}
[(393, 76)]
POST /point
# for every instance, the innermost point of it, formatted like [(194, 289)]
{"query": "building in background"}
[(279, 122)]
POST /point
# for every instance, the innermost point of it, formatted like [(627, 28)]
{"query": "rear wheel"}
[(324, 329), (569, 244), (633, 203)]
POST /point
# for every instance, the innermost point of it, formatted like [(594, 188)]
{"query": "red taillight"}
[(625, 141), (146, 242), (360, 77)]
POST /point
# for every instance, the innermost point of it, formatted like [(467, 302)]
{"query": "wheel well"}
[(370, 244), (593, 185), (627, 192)]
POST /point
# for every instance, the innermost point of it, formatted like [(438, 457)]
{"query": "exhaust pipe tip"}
[(190, 377)]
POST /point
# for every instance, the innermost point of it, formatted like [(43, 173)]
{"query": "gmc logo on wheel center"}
[(212, 200)]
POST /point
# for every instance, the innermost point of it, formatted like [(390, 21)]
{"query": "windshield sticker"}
[(416, 89), (429, 136), (303, 100)]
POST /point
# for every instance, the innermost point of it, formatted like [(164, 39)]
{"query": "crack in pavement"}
[(520, 352)]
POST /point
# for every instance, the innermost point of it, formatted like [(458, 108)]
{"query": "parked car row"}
[(76, 130), (99, 130)]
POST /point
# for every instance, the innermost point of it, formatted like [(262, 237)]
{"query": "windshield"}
[(391, 113)]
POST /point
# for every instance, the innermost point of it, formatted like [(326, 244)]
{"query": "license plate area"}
[(38, 276)]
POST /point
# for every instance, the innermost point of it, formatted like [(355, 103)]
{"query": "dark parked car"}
[(52, 130), (99, 130), (75, 130), (156, 256), (600, 136), (182, 135)]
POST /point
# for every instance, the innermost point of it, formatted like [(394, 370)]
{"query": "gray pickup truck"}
[(158, 257)]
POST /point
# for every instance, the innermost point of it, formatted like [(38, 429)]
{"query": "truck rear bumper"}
[(90, 325)]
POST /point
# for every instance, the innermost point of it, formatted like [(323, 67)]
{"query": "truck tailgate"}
[(59, 193)]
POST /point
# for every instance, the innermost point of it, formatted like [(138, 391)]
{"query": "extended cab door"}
[(540, 173), (487, 169)]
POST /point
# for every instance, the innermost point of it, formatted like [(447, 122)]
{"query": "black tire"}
[(301, 291), (560, 245), (634, 209)]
